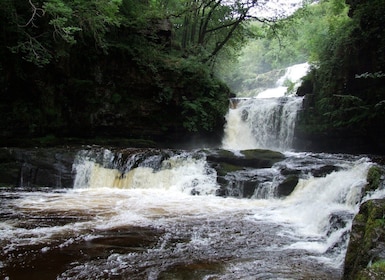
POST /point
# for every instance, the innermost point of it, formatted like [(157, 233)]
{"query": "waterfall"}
[(262, 123), (266, 121), (293, 75), (142, 213), (155, 211), (149, 169)]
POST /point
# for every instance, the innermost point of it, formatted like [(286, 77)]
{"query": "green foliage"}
[(349, 69), (343, 111), (33, 51), (202, 98), (302, 37), (77, 64), (380, 265), (61, 15)]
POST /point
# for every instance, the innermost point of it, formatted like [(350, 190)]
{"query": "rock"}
[(248, 158), (367, 242), (287, 186), (306, 88), (227, 164), (38, 167), (375, 176), (366, 250), (324, 170)]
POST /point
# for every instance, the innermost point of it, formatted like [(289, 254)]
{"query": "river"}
[(163, 214)]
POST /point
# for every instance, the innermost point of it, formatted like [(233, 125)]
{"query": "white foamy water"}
[(266, 121), (262, 124), (292, 75), (245, 236)]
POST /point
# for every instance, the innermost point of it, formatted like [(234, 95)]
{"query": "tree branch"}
[(36, 12)]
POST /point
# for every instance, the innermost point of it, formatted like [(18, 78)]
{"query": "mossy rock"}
[(374, 178), (373, 272), (367, 240), (248, 158), (228, 168)]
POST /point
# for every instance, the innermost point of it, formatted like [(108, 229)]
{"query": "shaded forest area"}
[(345, 91), (120, 68), (148, 69)]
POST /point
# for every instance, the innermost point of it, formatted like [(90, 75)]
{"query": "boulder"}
[(247, 158), (287, 186)]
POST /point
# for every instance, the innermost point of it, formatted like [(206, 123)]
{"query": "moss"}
[(373, 272), (374, 178), (374, 225), (379, 265), (366, 241), (227, 168), (266, 154)]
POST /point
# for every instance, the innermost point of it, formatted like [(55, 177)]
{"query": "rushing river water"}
[(163, 214), (146, 224)]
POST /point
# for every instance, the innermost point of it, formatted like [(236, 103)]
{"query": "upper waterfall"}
[(267, 120), (292, 77), (262, 123)]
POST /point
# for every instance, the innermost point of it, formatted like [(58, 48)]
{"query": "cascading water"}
[(228, 213), (262, 124), (268, 120), (157, 214)]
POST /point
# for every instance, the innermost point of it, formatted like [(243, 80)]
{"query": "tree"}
[(206, 27)]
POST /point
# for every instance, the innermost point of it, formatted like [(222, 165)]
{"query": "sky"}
[(274, 8)]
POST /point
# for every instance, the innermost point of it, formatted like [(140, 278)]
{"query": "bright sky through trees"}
[(273, 9)]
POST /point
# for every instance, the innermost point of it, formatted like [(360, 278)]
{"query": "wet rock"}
[(248, 158), (39, 167), (366, 249), (289, 171), (287, 186), (337, 221), (228, 165), (324, 170), (239, 189), (376, 175), (9, 169)]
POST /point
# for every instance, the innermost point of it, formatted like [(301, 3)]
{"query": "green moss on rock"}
[(374, 178), (367, 240)]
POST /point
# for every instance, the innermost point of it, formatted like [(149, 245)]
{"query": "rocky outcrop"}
[(365, 257), (248, 158), (227, 164), (29, 168), (287, 186)]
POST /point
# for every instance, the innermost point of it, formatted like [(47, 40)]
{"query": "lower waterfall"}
[(161, 214)]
